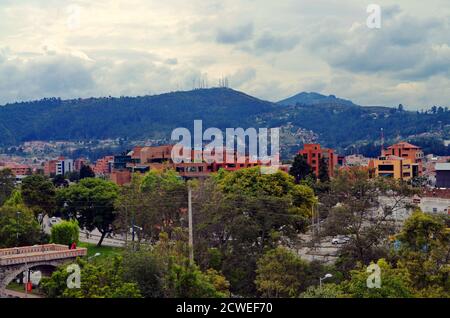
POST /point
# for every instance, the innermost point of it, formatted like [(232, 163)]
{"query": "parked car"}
[(340, 240), (53, 220)]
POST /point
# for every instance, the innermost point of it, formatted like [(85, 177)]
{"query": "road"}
[(88, 237)]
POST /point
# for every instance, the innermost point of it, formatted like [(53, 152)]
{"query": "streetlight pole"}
[(17, 232), (323, 278), (191, 235)]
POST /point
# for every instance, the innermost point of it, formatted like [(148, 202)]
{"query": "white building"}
[(64, 166)]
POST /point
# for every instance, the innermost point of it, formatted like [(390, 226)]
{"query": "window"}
[(386, 167)]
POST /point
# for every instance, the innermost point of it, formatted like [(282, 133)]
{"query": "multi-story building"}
[(442, 175), (79, 163), (50, 167), (394, 167), (143, 159), (104, 165), (356, 161), (64, 166), (18, 169), (59, 166), (406, 151), (314, 153)]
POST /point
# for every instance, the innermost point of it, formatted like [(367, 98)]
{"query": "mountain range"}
[(306, 117)]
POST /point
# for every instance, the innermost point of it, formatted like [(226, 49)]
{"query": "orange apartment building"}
[(313, 153), (18, 169), (402, 161), (143, 159), (103, 166), (394, 167), (50, 167), (406, 151)]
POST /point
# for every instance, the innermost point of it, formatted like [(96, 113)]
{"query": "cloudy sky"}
[(269, 49)]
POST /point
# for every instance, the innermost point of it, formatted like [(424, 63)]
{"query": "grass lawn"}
[(105, 251), (21, 288)]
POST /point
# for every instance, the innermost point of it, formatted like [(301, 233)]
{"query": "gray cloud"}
[(46, 76), (235, 35), (403, 48), (269, 42), (273, 49)]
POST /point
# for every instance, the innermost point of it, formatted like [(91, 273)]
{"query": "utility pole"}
[(191, 232)]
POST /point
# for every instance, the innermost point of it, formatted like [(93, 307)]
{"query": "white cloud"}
[(272, 49)]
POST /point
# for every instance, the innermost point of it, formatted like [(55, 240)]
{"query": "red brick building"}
[(18, 169), (103, 166), (313, 153)]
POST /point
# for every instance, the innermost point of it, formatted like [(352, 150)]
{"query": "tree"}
[(39, 194), (144, 268), (280, 273), (425, 252), (18, 227), (400, 108), (180, 278), (326, 291), (324, 173), (60, 181), (356, 210), (73, 176), (395, 283), (65, 233), (138, 208), (241, 214), (166, 194), (86, 172), (300, 168), (91, 203), (98, 281), (7, 180)]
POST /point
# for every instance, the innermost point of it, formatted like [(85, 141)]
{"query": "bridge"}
[(16, 260)]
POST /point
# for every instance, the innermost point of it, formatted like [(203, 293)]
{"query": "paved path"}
[(15, 294)]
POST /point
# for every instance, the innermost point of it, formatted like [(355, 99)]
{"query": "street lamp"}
[(93, 256), (17, 232), (323, 278)]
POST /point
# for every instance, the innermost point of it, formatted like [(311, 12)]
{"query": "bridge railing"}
[(32, 249), (38, 254)]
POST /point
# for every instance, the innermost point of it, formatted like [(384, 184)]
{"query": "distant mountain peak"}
[(313, 98)]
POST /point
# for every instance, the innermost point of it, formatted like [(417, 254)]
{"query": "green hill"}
[(337, 123)]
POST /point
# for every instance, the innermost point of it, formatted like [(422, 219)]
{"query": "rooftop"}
[(442, 166)]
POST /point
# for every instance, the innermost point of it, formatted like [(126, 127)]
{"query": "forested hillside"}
[(342, 125)]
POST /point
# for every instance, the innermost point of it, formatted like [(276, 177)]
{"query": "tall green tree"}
[(91, 203), (280, 273), (425, 252), (300, 168), (241, 214), (39, 194), (355, 209), (97, 281), (18, 227), (324, 173), (394, 283), (7, 180), (86, 172)]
